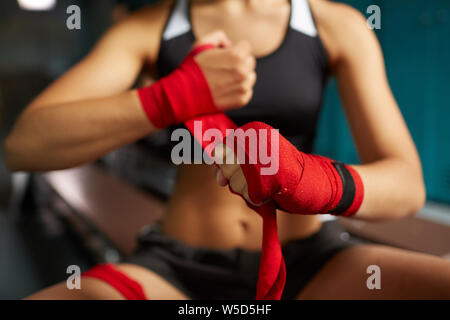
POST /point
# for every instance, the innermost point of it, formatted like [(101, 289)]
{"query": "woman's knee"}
[(399, 274), (89, 289), (98, 287)]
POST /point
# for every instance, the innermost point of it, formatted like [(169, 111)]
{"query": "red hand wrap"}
[(304, 183), (182, 95), (272, 269)]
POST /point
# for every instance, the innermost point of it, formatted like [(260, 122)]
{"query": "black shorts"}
[(202, 273)]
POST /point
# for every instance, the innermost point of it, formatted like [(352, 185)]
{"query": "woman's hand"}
[(300, 183), (230, 173), (229, 70)]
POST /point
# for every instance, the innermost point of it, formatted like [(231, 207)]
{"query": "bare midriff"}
[(201, 213)]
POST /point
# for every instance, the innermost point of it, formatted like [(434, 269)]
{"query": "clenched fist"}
[(229, 70)]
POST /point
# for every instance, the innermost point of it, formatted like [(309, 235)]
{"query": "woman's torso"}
[(292, 69)]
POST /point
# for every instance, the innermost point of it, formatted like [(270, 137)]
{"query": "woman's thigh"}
[(155, 287), (403, 275)]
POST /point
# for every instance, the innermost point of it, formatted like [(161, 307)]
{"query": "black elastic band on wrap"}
[(348, 189)]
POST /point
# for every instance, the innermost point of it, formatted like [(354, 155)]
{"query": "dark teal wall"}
[(415, 37)]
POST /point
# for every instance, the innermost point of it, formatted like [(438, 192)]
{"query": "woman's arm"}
[(88, 111), (391, 169), (388, 184)]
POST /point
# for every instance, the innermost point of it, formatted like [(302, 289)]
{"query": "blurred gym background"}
[(39, 240)]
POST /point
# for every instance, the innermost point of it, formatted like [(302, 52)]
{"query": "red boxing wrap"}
[(272, 269), (182, 95), (305, 184), (127, 287)]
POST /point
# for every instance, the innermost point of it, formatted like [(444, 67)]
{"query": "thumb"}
[(225, 159)]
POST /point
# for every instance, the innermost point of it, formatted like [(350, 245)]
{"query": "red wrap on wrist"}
[(304, 183), (182, 95)]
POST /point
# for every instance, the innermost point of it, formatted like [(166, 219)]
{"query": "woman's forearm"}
[(63, 135), (71, 134), (393, 188)]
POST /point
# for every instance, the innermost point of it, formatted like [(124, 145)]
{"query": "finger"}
[(237, 182), (236, 56), (221, 180), (227, 161), (237, 100), (222, 154), (229, 170), (251, 61), (246, 196), (217, 38), (251, 80), (242, 86), (244, 47), (231, 174)]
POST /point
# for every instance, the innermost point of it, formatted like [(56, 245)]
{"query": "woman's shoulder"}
[(142, 29), (332, 13), (340, 26)]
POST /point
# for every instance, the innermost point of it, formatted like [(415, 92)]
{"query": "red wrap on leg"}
[(127, 287)]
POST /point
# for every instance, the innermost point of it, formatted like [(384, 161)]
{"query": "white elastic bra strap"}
[(179, 20), (302, 19)]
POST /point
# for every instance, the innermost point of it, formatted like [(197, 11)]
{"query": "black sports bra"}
[(290, 86)]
